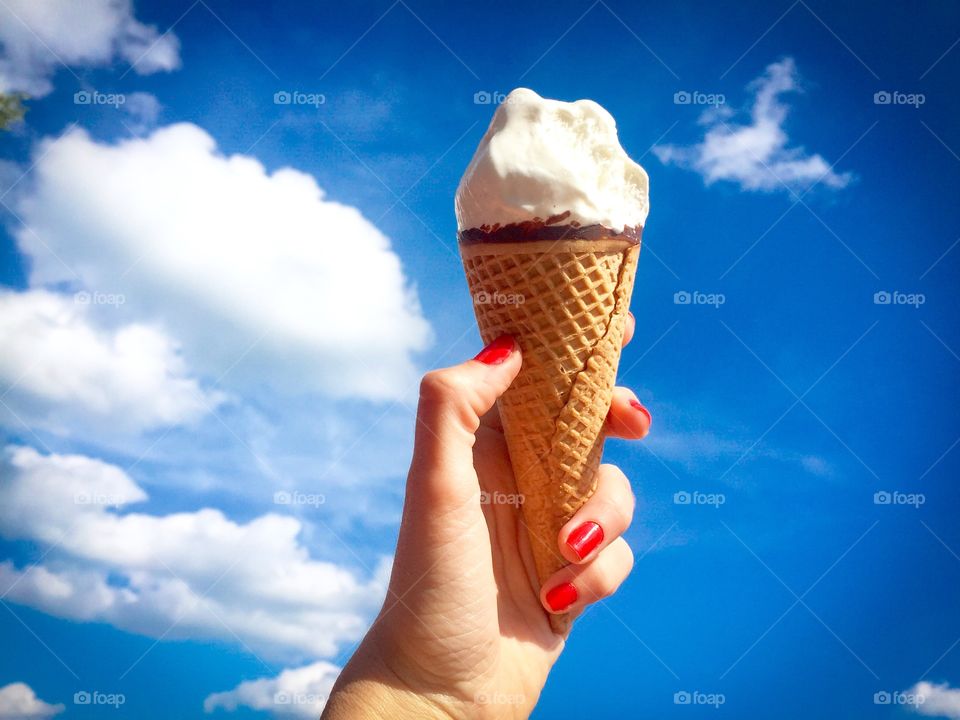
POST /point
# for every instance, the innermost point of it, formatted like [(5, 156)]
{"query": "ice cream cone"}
[(565, 301)]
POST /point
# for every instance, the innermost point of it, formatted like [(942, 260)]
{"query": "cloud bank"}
[(183, 575), (257, 273), (227, 273)]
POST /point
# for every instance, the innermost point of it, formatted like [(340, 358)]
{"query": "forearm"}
[(368, 690)]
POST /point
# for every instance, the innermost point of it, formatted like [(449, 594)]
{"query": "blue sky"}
[(795, 396)]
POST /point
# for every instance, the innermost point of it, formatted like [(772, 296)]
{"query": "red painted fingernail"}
[(497, 351), (562, 597), (636, 405), (585, 539)]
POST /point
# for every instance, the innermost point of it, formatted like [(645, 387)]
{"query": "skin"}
[(463, 632)]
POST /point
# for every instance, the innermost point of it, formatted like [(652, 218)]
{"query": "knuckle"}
[(622, 498), (621, 515), (621, 562), (616, 474), (441, 386), (445, 393)]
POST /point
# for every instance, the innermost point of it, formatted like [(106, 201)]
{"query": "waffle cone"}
[(566, 304)]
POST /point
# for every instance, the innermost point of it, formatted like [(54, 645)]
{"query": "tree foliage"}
[(11, 109)]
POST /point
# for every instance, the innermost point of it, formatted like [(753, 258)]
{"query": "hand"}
[(463, 633)]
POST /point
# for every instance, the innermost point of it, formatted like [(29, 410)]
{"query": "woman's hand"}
[(463, 633)]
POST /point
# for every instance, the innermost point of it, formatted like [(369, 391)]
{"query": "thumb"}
[(452, 401), (444, 549)]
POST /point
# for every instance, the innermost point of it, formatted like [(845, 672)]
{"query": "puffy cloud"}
[(938, 700), (189, 574), (756, 156), (295, 693), (37, 36), (256, 273), (61, 372), (18, 701)]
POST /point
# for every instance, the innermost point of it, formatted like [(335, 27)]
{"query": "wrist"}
[(368, 689)]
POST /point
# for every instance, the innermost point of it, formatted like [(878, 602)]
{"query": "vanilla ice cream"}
[(547, 161)]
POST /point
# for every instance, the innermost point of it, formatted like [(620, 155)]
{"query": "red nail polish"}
[(497, 351), (562, 597), (585, 539), (635, 404)]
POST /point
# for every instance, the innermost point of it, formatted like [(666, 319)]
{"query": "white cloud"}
[(38, 36), (143, 109), (18, 701), (703, 451), (189, 574), (756, 156), (939, 700), (295, 693), (693, 447), (816, 465), (257, 274), (61, 372)]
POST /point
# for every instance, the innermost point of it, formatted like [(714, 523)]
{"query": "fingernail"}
[(585, 539), (497, 351), (562, 597), (636, 405)]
